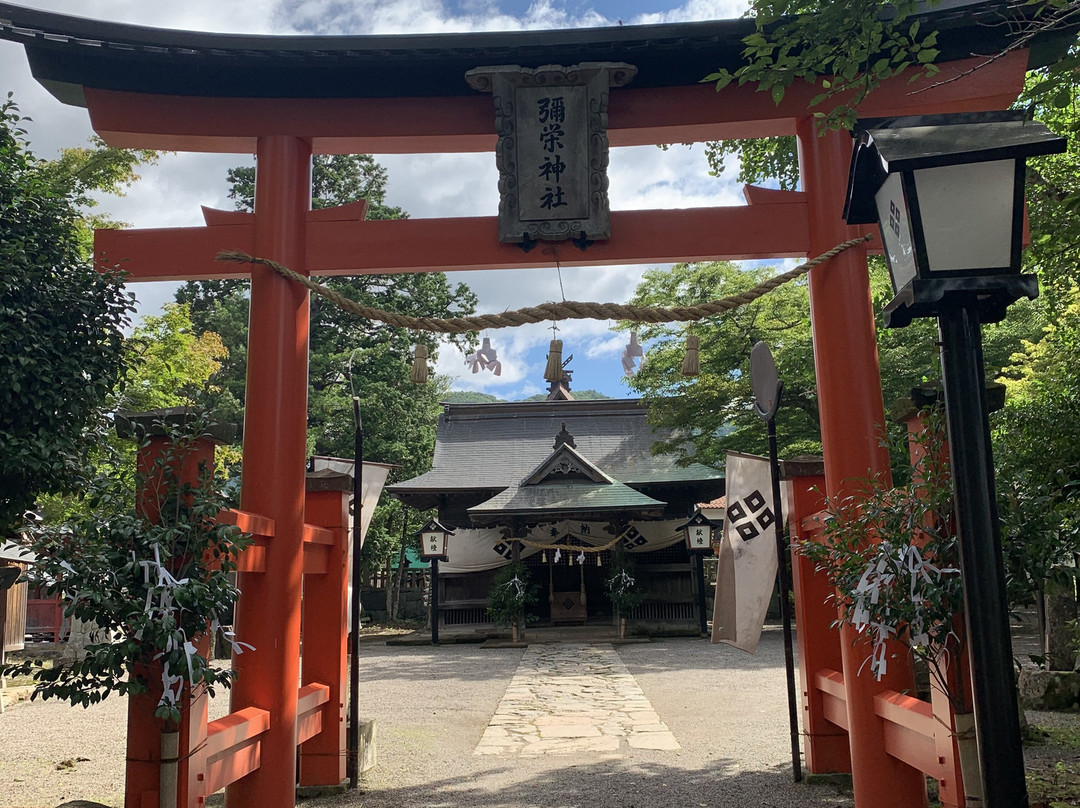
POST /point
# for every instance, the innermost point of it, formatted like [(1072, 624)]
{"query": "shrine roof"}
[(68, 53), (495, 447), (577, 499)]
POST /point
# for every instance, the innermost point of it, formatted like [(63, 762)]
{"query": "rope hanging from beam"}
[(567, 310)]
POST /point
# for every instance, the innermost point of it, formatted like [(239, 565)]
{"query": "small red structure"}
[(284, 98)]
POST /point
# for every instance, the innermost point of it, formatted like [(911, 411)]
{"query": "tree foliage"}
[(148, 583), (843, 49), (1036, 447), (85, 172), (712, 413), (892, 555), (61, 344), (1037, 453), (167, 364)]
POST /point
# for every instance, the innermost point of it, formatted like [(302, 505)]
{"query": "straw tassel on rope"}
[(691, 364), (554, 372), (419, 373)]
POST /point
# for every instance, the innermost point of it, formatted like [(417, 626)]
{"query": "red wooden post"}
[(825, 744), (275, 433), (143, 770), (955, 669), (322, 758), (852, 423)]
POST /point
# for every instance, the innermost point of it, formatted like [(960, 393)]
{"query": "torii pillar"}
[(852, 423), (275, 437)]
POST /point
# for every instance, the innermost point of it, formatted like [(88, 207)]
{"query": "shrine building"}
[(571, 484)]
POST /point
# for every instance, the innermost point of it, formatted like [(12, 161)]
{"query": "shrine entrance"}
[(285, 98)]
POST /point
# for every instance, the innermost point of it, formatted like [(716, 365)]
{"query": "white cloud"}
[(606, 347), (695, 10)]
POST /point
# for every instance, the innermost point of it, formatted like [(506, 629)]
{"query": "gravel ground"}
[(431, 705)]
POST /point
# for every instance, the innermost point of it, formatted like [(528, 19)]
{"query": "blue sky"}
[(171, 193)]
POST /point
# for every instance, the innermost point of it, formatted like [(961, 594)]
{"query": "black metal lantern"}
[(434, 539), (698, 533), (948, 194)]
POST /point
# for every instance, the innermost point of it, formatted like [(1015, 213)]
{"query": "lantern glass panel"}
[(967, 215), (896, 231), (433, 543), (698, 536)]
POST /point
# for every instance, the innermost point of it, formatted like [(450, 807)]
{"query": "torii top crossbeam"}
[(187, 91)]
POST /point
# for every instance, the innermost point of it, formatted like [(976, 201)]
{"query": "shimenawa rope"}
[(567, 310)]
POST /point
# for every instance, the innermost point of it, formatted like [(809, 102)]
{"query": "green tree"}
[(167, 363), (1037, 454), (145, 584), (61, 320), (86, 172), (847, 49), (712, 413)]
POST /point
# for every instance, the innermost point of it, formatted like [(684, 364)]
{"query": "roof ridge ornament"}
[(564, 438)]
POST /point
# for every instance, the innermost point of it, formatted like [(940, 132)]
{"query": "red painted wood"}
[(252, 523), (309, 712), (852, 422), (316, 559), (350, 247), (323, 756), (143, 764), (825, 743), (268, 616), (232, 748), (642, 116)]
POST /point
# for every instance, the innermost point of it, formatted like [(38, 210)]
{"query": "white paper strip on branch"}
[(746, 565)]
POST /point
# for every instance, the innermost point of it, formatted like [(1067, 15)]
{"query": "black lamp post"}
[(698, 535), (948, 193), (434, 539)]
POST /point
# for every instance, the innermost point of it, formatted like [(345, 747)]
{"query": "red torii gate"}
[(149, 88)]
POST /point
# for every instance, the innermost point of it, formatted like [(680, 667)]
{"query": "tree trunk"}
[(393, 599), (1060, 630), (1040, 614)]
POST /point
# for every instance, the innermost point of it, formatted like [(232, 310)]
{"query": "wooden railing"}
[(221, 752), (921, 734)]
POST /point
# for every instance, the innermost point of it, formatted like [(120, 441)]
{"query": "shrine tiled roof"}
[(68, 53), (494, 448)]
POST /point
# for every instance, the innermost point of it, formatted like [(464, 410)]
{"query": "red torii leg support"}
[(142, 777), (275, 432), (852, 423), (825, 745), (322, 758)]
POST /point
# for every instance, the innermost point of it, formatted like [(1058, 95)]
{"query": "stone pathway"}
[(568, 699)]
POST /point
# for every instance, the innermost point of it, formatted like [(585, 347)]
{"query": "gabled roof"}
[(493, 446), (502, 455), (563, 463), (562, 500)]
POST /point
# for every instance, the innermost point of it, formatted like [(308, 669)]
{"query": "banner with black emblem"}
[(746, 571)]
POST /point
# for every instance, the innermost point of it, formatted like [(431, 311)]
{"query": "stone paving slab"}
[(569, 699)]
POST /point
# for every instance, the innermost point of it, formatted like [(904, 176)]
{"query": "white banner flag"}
[(746, 570)]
